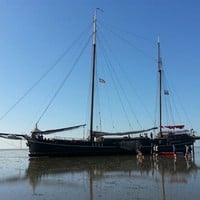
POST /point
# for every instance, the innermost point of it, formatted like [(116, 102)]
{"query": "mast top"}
[(158, 39), (159, 57), (95, 24)]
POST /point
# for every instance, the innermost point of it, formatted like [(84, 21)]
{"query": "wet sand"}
[(98, 178)]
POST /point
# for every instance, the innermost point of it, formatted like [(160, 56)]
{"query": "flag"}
[(166, 92), (101, 80)]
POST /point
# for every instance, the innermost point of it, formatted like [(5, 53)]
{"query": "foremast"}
[(93, 74), (160, 88)]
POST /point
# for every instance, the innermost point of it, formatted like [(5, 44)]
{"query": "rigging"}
[(58, 60), (64, 80)]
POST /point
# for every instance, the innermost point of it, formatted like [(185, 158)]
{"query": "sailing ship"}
[(118, 143)]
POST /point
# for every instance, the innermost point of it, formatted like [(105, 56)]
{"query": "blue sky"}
[(34, 34)]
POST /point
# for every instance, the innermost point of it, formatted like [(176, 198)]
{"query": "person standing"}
[(174, 150)]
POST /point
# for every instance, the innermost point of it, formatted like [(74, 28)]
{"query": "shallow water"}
[(98, 178)]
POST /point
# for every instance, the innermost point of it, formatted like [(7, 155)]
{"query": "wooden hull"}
[(111, 146), (86, 148)]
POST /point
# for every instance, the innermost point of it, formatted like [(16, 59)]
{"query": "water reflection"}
[(39, 167), (93, 176), (93, 167), (92, 170)]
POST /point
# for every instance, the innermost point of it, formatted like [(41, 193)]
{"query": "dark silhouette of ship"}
[(105, 143)]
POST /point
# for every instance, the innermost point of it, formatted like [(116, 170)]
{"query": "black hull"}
[(112, 146), (86, 148), (174, 142)]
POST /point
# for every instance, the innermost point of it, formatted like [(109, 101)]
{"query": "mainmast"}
[(160, 87), (93, 74)]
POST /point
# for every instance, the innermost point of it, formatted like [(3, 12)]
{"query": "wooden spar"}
[(93, 76), (160, 87)]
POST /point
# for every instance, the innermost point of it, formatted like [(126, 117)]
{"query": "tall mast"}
[(93, 74), (160, 87)]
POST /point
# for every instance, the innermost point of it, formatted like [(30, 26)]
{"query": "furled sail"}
[(99, 133), (175, 126), (37, 131), (185, 131), (12, 136)]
